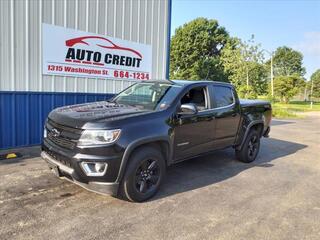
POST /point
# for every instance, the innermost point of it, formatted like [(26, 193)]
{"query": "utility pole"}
[(271, 74), (271, 70), (311, 92), (247, 77)]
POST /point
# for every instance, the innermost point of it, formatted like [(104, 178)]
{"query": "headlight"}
[(97, 137), (44, 133)]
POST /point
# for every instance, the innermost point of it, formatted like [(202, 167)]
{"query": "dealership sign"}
[(70, 52)]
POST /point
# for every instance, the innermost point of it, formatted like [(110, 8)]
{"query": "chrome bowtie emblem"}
[(55, 132)]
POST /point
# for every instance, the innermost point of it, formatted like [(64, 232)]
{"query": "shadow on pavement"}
[(275, 122), (207, 170), (216, 167)]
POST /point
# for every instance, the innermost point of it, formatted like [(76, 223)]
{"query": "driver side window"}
[(196, 96)]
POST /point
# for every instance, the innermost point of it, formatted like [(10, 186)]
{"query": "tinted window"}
[(197, 97), (223, 96), (148, 95)]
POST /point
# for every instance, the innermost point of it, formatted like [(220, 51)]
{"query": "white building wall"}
[(143, 21)]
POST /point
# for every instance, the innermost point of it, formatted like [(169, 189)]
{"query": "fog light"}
[(94, 169), (99, 167)]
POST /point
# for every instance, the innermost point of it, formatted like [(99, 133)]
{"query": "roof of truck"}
[(186, 82)]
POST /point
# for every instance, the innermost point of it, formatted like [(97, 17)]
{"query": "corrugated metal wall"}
[(28, 110), (27, 96), (143, 21)]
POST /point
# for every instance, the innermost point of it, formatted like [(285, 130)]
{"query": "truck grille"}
[(63, 136), (62, 142)]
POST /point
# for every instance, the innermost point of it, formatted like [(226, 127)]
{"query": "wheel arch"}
[(162, 143), (256, 124)]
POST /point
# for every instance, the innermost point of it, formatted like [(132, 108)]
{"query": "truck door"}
[(194, 134), (227, 115)]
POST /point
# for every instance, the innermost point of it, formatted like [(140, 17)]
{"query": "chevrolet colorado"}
[(122, 146)]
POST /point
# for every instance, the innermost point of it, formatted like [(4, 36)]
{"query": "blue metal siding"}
[(22, 114)]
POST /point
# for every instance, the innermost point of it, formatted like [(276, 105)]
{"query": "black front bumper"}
[(66, 164), (66, 172), (62, 153)]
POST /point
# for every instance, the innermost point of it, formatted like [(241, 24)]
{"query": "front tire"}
[(144, 174), (250, 148)]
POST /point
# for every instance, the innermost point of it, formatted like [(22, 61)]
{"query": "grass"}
[(293, 109), (284, 113)]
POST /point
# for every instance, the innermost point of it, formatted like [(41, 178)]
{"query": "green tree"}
[(315, 81), (248, 92), (286, 87), (195, 51), (287, 61), (243, 63)]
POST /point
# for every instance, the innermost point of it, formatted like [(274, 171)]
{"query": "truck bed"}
[(250, 103)]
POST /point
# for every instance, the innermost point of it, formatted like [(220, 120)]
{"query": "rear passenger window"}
[(223, 96)]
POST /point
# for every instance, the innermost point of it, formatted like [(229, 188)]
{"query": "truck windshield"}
[(148, 96)]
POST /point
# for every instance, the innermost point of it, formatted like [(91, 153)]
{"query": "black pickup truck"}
[(123, 146)]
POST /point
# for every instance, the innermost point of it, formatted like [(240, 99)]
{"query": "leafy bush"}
[(286, 87), (247, 92)]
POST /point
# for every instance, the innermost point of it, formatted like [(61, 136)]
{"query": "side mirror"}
[(188, 109)]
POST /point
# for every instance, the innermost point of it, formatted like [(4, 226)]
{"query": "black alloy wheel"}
[(250, 149), (253, 146), (147, 176), (144, 174)]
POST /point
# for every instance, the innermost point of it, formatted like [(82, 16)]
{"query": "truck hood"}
[(78, 115)]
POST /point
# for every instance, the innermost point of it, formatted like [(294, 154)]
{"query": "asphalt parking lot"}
[(213, 197)]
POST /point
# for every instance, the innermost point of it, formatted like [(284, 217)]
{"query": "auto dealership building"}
[(62, 52)]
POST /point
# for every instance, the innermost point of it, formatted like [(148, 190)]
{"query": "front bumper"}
[(68, 173)]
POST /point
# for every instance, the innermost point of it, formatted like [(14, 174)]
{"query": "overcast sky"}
[(294, 23)]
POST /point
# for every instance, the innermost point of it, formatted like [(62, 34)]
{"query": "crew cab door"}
[(194, 134), (227, 115)]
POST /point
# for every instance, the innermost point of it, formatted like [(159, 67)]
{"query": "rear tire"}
[(250, 148), (144, 174)]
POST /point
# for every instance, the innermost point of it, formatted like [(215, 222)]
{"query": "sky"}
[(274, 23)]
